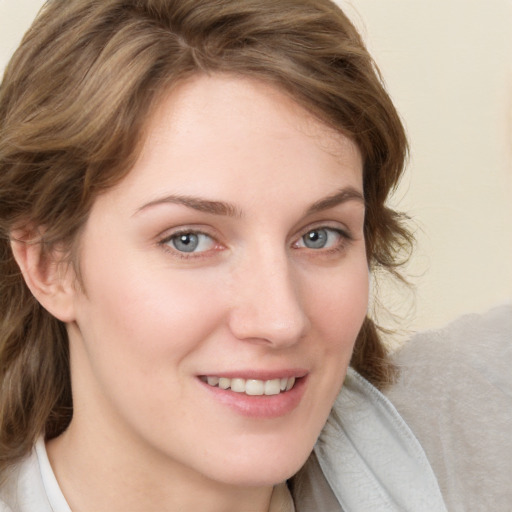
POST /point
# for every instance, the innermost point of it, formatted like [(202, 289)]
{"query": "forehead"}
[(228, 131), (231, 104)]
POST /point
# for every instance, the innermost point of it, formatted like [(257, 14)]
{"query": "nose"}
[(267, 304)]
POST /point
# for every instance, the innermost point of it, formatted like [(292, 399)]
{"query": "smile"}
[(252, 387)]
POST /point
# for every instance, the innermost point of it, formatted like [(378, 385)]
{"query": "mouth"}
[(252, 387), (258, 394)]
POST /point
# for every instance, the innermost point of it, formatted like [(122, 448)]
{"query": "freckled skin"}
[(253, 297)]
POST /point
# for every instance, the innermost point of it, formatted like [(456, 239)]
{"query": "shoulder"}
[(479, 341), (22, 489), (455, 392)]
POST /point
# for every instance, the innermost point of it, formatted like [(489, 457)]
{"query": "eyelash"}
[(345, 239)]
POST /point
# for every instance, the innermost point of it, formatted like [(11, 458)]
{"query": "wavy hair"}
[(73, 105)]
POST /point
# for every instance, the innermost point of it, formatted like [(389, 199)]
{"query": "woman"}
[(192, 196)]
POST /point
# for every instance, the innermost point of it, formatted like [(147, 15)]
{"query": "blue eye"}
[(191, 242), (321, 238)]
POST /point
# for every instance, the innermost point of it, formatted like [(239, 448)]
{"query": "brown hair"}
[(73, 104)]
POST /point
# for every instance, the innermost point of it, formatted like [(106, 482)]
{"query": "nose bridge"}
[(267, 304)]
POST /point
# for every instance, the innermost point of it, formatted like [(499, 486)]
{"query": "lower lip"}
[(262, 406)]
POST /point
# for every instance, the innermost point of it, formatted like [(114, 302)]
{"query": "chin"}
[(267, 468)]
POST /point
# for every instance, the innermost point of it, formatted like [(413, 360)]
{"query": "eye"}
[(321, 238), (190, 241)]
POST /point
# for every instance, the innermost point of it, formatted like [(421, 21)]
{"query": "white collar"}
[(57, 501)]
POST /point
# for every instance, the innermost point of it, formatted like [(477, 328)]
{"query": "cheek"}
[(138, 332), (148, 316), (339, 307)]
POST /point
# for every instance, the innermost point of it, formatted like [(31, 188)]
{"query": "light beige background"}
[(448, 67)]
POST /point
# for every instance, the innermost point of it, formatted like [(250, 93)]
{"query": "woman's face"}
[(231, 255)]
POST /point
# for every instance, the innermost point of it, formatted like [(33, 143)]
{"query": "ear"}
[(47, 274)]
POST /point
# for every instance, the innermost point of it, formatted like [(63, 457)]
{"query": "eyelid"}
[(186, 228), (330, 225)]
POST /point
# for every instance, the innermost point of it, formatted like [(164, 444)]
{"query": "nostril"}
[(270, 327)]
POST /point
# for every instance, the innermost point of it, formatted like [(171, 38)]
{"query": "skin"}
[(147, 434)]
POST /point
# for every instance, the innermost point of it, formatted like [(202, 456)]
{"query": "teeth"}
[(273, 387), (224, 383), (238, 385), (213, 381), (253, 387)]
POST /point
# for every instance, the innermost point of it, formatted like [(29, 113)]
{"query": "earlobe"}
[(47, 274)]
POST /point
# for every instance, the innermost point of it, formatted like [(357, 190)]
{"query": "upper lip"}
[(258, 374)]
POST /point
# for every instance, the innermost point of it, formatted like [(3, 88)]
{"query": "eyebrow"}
[(230, 210), (340, 197), (196, 203)]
